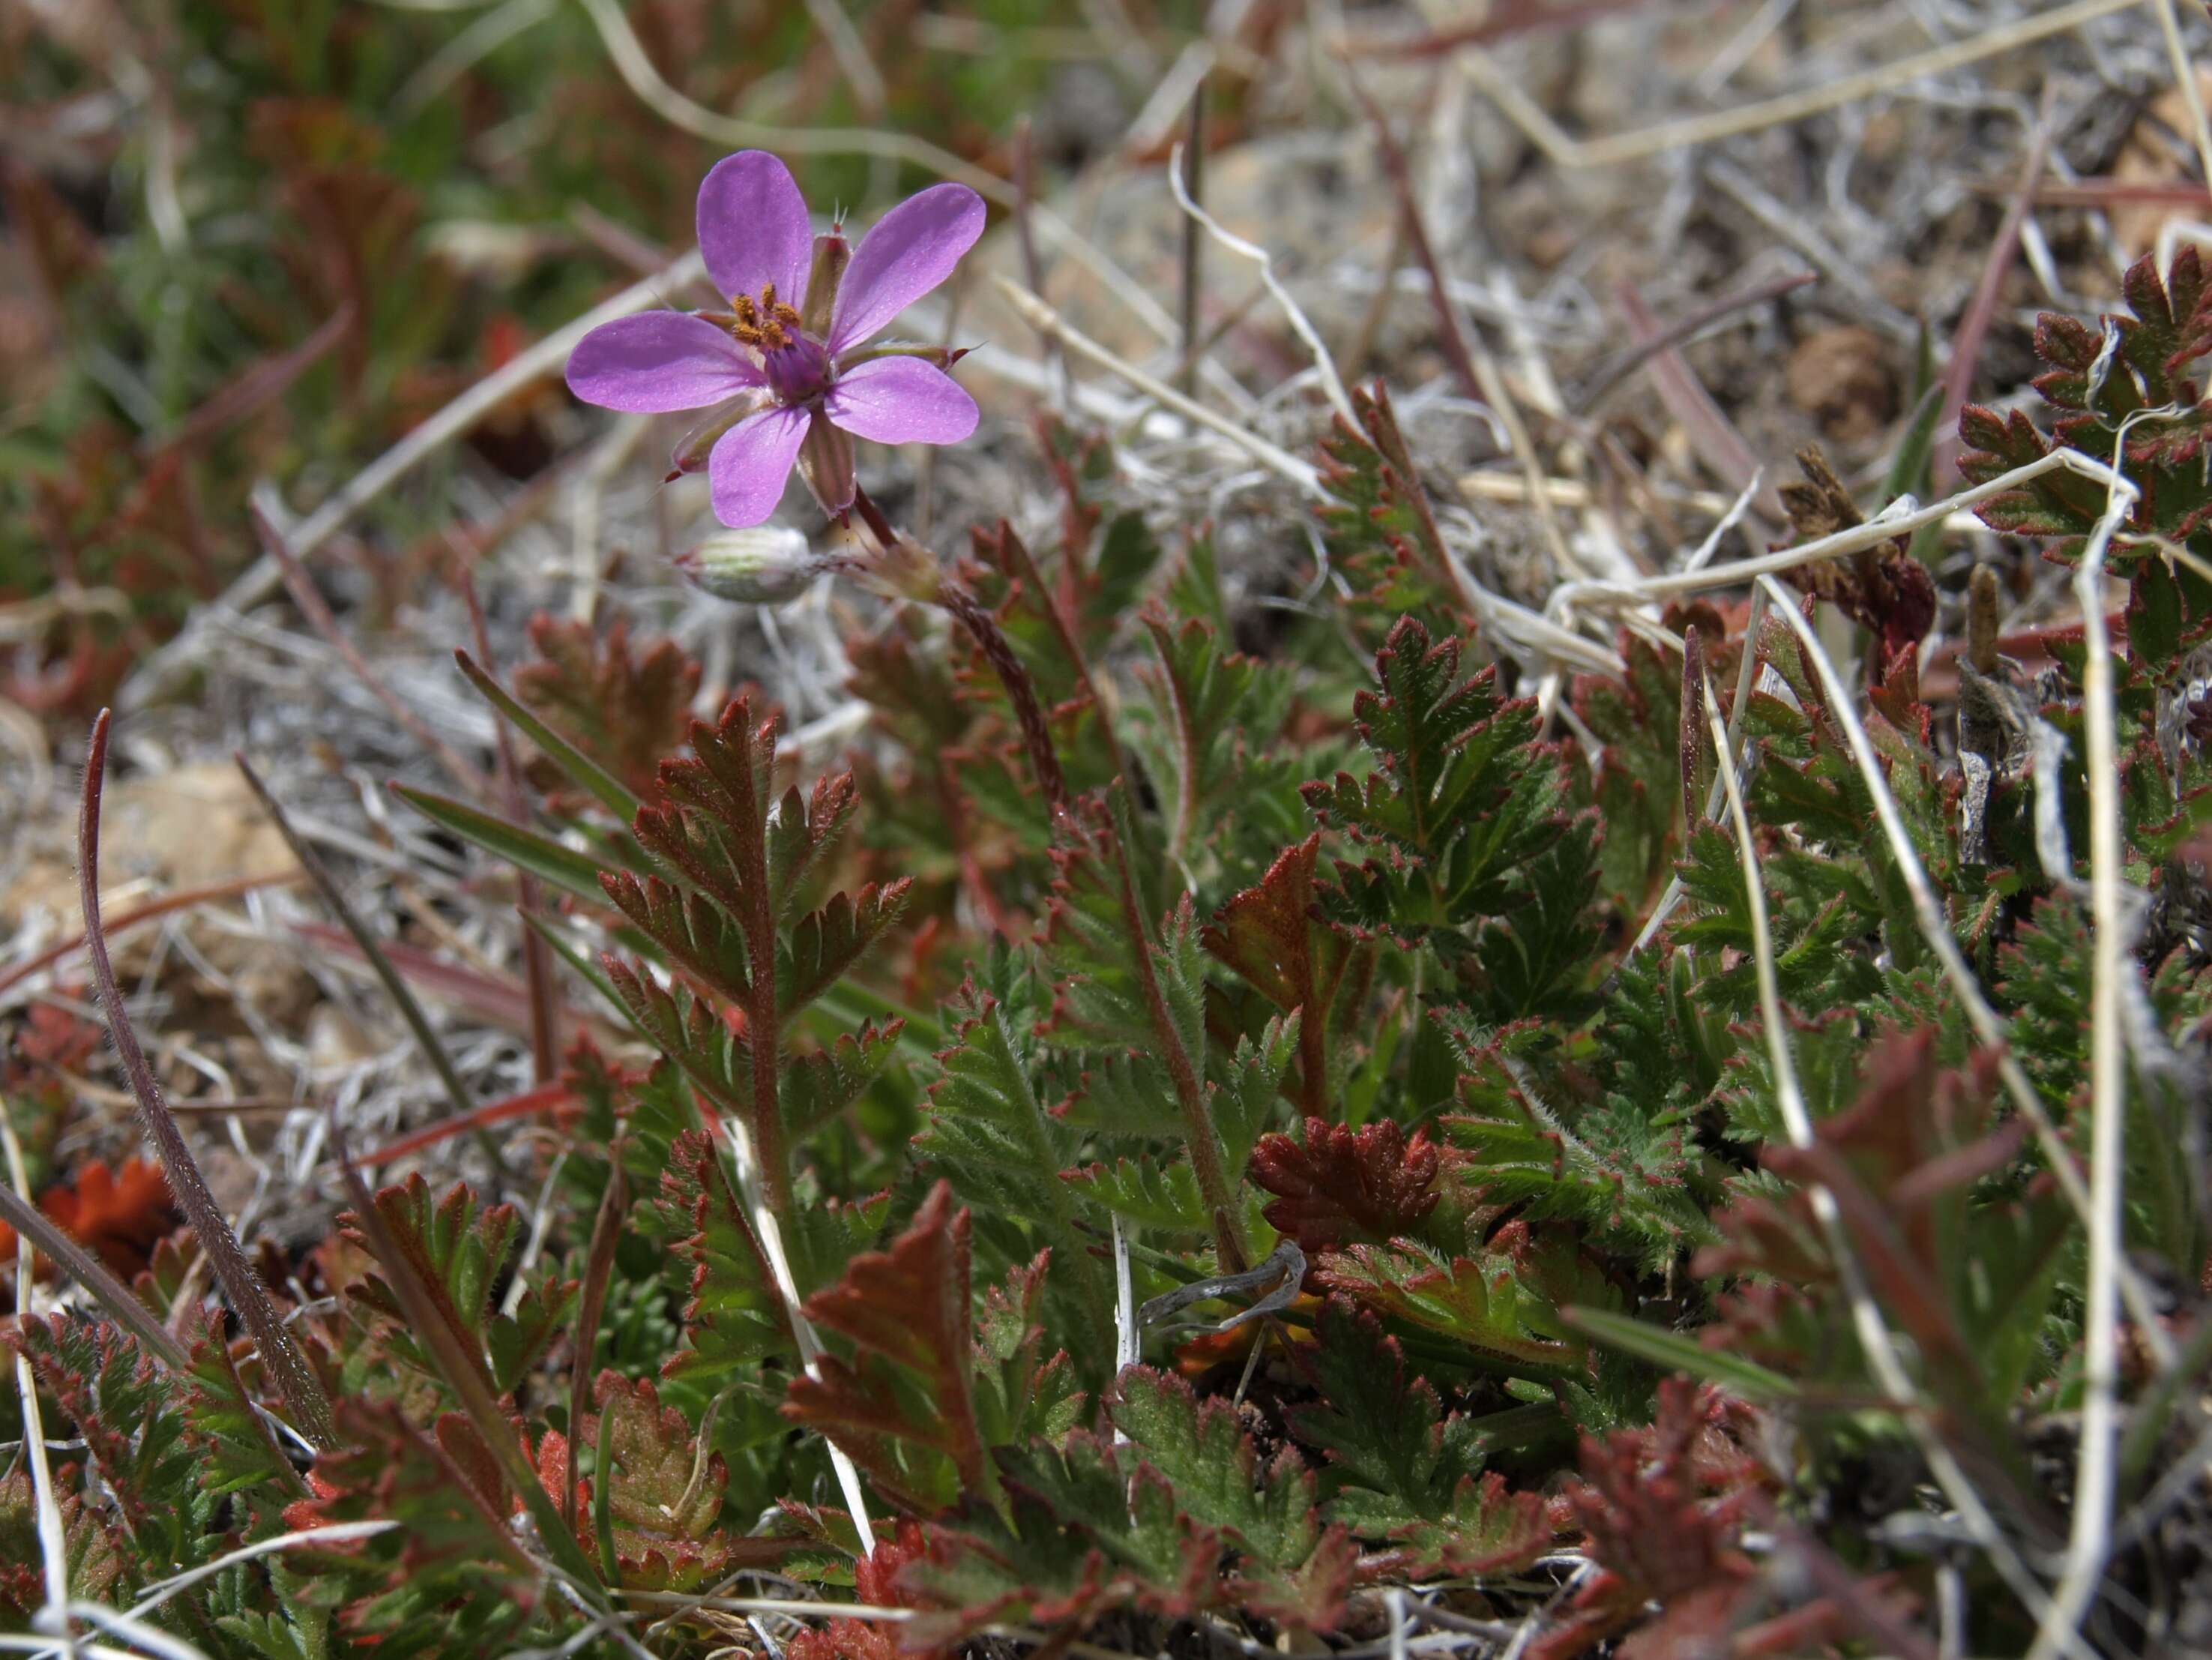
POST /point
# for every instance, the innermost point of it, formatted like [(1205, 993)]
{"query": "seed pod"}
[(764, 566)]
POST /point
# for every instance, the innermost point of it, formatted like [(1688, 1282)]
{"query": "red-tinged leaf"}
[(628, 712), (906, 1310), (824, 943), (664, 1492), (458, 1439), (1660, 1510), (449, 1538), (1344, 1185), (1273, 936), (1487, 1529), (1883, 587), (802, 829), (1035, 1569), (453, 1251), (2058, 503), (127, 1412), (736, 1315), (120, 1217), (1312, 1596), (876, 1582), (93, 1557), (1460, 1298)]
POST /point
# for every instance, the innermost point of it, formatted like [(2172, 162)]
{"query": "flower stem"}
[(287, 1366), (952, 596)]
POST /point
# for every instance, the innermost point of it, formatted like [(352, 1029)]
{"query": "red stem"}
[(280, 1357)]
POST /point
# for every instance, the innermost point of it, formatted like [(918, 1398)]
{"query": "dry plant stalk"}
[(288, 1367)]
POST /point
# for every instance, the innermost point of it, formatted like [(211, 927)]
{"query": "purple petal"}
[(658, 361), (905, 254), (752, 464), (753, 227), (900, 400)]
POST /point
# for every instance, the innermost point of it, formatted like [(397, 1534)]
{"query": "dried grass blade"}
[(457, 1094)]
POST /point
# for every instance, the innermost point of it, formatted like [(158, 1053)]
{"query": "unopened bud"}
[(764, 566), (832, 253)]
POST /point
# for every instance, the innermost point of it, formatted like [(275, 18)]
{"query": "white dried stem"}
[(2184, 81), (1324, 364), (802, 1328), (1989, 1027), (1874, 1334), (1049, 322), (2089, 1535), (53, 1547)]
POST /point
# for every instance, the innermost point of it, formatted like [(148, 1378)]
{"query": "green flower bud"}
[(764, 566)]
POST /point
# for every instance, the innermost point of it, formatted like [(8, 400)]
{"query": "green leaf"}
[(1399, 1469), (824, 944), (563, 868), (736, 1315), (1163, 1197), (454, 1249), (1210, 1462), (581, 770), (1672, 1351)]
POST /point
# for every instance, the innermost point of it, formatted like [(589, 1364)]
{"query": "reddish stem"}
[(280, 1357)]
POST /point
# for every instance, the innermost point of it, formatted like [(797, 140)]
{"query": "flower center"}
[(797, 367), (767, 323)]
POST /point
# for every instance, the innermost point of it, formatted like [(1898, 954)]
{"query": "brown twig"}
[(1193, 238), (1618, 368), (1401, 173), (1026, 237), (953, 597), (287, 1366), (1966, 344)]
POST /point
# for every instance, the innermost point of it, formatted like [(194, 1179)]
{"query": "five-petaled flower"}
[(787, 368)]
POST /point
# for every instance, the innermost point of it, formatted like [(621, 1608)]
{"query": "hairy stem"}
[(762, 1031), (288, 1368), (953, 597), (1205, 1161)]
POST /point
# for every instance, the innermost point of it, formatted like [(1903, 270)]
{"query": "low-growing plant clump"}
[(1213, 1130)]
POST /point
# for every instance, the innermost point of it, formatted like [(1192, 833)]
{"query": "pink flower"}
[(787, 368)]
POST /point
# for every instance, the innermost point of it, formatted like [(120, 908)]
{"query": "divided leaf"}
[(910, 1381), (1400, 1471)]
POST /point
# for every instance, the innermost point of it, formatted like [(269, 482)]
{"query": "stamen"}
[(768, 323)]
